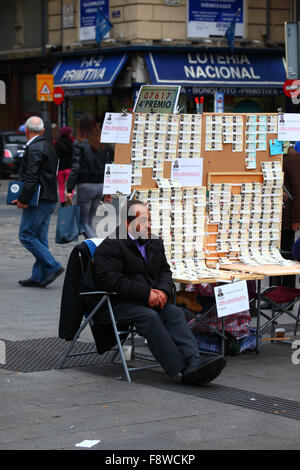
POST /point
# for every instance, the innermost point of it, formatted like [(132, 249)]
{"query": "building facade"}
[(151, 41)]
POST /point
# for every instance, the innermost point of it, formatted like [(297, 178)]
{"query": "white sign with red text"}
[(116, 128), (188, 171), (117, 179), (289, 127), (231, 298)]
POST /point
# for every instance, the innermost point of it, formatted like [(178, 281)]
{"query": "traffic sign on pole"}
[(44, 87), (58, 95), (290, 87)]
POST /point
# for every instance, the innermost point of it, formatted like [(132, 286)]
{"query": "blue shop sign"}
[(212, 18), (86, 72), (88, 14), (215, 69)]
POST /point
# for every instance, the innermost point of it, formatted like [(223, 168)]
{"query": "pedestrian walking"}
[(38, 167), (63, 149), (87, 172)]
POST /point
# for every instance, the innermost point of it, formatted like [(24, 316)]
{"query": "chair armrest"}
[(98, 292)]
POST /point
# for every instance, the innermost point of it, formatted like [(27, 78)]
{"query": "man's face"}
[(140, 227)]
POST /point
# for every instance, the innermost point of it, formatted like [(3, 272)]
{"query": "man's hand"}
[(19, 204), (162, 298), (154, 300), (69, 197)]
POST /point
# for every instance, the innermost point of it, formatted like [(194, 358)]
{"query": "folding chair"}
[(282, 300), (120, 333)]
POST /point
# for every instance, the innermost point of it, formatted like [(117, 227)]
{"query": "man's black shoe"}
[(201, 371), (29, 283), (52, 276)]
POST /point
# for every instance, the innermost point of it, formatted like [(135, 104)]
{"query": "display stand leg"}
[(258, 315)]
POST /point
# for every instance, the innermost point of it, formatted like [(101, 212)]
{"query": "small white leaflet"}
[(87, 443)]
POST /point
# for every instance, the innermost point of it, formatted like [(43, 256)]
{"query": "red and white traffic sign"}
[(58, 95), (291, 86), (44, 87)]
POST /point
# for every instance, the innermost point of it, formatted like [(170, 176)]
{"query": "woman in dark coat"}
[(87, 173), (63, 149)]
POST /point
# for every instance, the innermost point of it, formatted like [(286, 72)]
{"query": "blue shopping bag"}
[(68, 224)]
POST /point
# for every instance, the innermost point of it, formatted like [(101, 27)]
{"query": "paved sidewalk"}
[(245, 408)]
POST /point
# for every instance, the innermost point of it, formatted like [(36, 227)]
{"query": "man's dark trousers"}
[(166, 330)]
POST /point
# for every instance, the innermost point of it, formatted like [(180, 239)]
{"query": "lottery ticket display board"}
[(234, 213)]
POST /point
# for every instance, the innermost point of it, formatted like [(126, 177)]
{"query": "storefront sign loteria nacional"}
[(216, 69), (220, 66)]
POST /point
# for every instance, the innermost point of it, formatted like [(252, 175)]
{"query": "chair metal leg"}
[(79, 331), (223, 337), (258, 315), (273, 323), (118, 340)]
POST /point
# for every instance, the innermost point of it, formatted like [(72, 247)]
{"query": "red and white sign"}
[(290, 87), (231, 298), (44, 87), (116, 128), (58, 95)]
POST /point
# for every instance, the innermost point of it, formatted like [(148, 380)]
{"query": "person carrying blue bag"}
[(38, 167)]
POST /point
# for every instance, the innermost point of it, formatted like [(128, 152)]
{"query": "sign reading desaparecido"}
[(157, 99), (117, 179), (231, 298)]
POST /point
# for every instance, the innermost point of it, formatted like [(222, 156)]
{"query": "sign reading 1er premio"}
[(157, 99)]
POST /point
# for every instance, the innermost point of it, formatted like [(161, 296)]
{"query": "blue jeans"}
[(33, 234)]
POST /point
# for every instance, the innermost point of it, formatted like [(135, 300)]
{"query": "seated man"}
[(134, 265)]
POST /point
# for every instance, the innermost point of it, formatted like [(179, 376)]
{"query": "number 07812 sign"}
[(157, 99)]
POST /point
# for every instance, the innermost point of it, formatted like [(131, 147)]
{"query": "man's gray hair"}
[(34, 124)]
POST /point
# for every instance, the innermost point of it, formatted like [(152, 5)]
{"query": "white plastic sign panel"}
[(117, 179), (116, 128), (188, 171), (289, 127), (231, 298)]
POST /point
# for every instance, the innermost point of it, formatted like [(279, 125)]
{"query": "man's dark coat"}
[(120, 267)]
